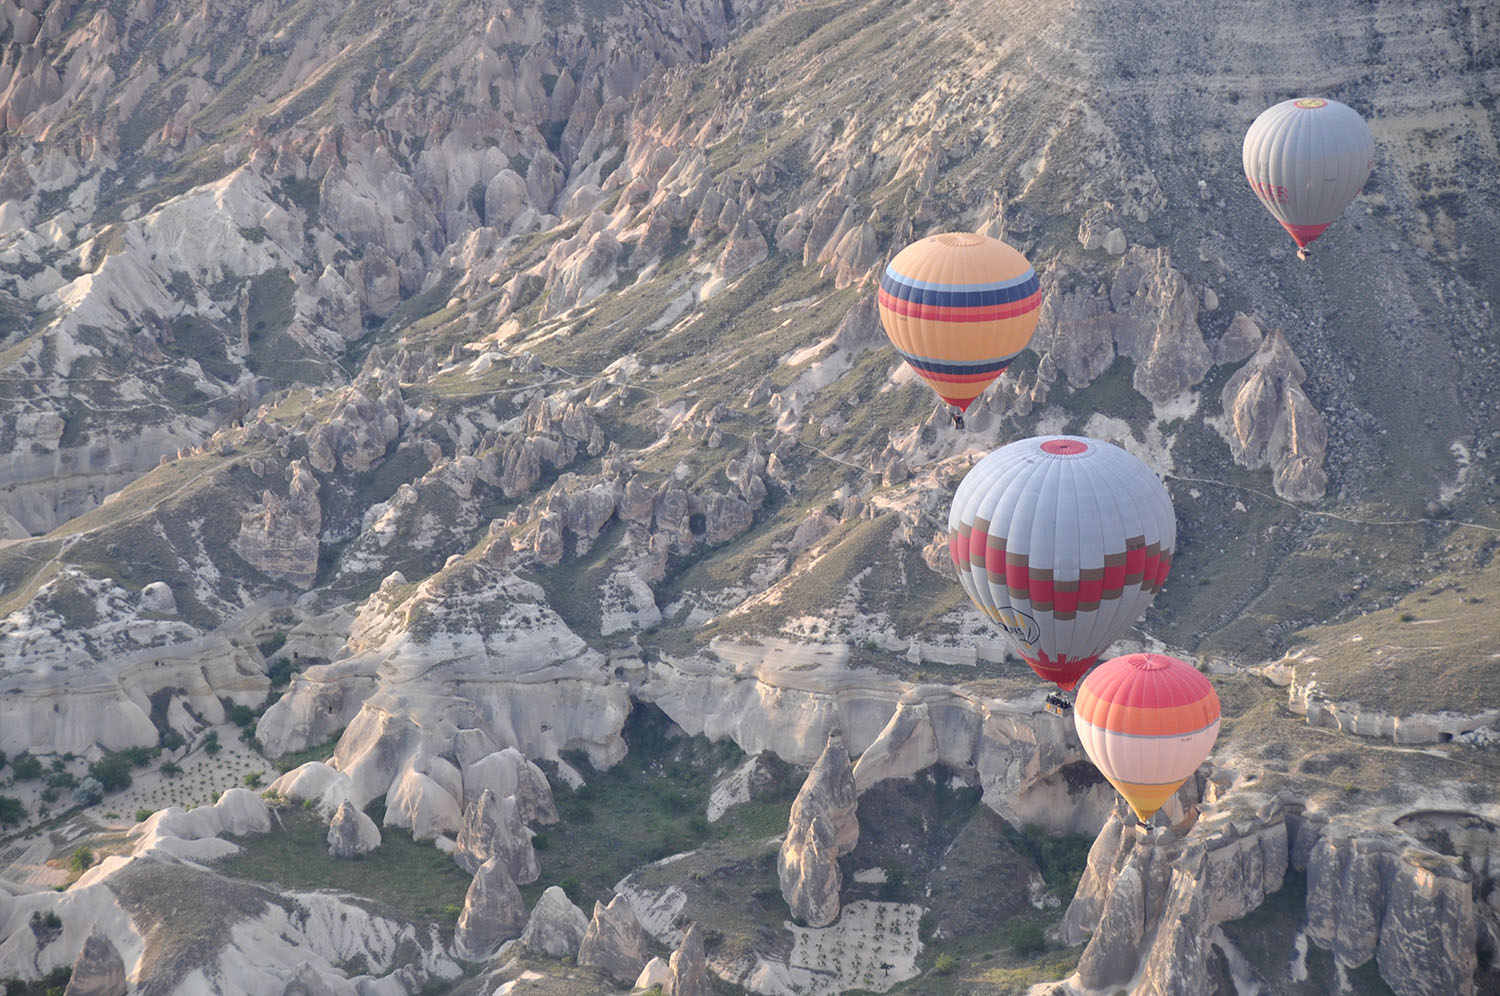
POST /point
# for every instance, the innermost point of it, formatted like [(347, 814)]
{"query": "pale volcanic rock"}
[(316, 781), (627, 603), (615, 941), (830, 791), (493, 912), (99, 970), (1410, 908), (854, 255), (351, 833), (418, 803), (307, 982), (357, 432), (507, 772), (1156, 325), (1239, 342), (1147, 904), (783, 697), (908, 744), (157, 597), (556, 927), (196, 834), (1075, 328), (807, 867), (279, 537), (745, 247), (822, 827), (1270, 421), (687, 969), (492, 828), (656, 974)]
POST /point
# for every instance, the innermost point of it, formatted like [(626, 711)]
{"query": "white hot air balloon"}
[(1062, 541), (1306, 159)]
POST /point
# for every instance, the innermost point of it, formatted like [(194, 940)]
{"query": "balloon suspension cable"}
[(957, 415)]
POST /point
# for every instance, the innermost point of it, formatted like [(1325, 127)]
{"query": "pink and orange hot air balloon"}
[(1146, 721), (959, 308)]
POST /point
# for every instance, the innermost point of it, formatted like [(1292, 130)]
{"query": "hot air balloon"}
[(1306, 159), (1062, 541), (959, 308), (1146, 721)]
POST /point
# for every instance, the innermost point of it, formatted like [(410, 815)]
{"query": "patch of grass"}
[(408, 876), (318, 752), (652, 804), (1061, 859), (54, 983)]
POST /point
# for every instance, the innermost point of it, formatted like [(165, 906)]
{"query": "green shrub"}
[(112, 771), (252, 779), (81, 860), (241, 715), (945, 964), (26, 767), (11, 810), (142, 815), (1027, 938), (171, 769)]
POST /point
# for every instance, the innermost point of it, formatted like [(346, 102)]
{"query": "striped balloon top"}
[(959, 307), (1147, 695)]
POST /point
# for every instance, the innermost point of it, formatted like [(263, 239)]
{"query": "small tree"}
[(81, 860), (1027, 938), (26, 767), (944, 964), (11, 810), (112, 771)]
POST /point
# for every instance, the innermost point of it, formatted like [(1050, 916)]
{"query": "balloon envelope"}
[(1062, 541), (959, 308), (1146, 721), (1306, 159)]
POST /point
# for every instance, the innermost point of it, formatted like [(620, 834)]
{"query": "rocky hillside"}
[(411, 386)]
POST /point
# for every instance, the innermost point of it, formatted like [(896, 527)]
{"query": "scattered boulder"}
[(351, 833), (655, 975), (1239, 342), (157, 597)]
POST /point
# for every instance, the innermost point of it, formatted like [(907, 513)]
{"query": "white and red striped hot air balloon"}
[(1062, 541)]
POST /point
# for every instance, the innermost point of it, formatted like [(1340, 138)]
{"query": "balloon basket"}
[(1303, 254), (958, 417), (1059, 705)]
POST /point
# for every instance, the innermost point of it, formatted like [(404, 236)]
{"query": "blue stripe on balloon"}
[(958, 369), (958, 295)]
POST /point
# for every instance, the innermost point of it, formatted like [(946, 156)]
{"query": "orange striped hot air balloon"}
[(959, 308), (1146, 721)]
